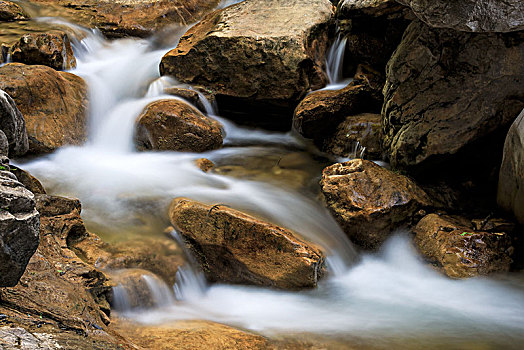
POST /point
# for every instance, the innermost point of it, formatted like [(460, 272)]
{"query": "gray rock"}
[(4, 144), (511, 177), (12, 123), (446, 90), (19, 228), (470, 15)]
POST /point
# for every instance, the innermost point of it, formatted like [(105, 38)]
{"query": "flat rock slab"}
[(237, 248)]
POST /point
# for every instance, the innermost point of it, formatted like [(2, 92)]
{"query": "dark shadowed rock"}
[(275, 53), (12, 123), (446, 90), (53, 104), (19, 227), (236, 248), (454, 245), (470, 15), (177, 126), (511, 176), (369, 201), (49, 49), (10, 11)]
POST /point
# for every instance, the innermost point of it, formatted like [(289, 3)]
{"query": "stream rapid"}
[(389, 297)]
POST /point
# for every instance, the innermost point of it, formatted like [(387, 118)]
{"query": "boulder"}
[(369, 201), (129, 17), (4, 145), (177, 126), (446, 92), (318, 115), (452, 244), (53, 104), (9, 11), (19, 227), (12, 123), (187, 94), (357, 136), (49, 49), (373, 29), (29, 181), (470, 15), (511, 177), (57, 284), (275, 53), (237, 248)]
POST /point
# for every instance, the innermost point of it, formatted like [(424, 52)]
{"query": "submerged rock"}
[(19, 227), (177, 126), (454, 245), (275, 53), (10, 11), (49, 49), (12, 124), (446, 90), (237, 248), (470, 15), (53, 104), (511, 177), (369, 201)]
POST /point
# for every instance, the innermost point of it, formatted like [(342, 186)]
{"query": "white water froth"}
[(389, 293), (335, 64)]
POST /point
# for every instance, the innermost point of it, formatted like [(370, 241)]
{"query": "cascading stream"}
[(389, 295)]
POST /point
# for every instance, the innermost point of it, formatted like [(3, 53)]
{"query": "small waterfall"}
[(335, 64)]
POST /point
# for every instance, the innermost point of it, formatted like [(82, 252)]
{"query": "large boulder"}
[(129, 17), (53, 104), (237, 248), (177, 126), (470, 15), (453, 244), (511, 177), (19, 228), (51, 49), (10, 11), (275, 53), (319, 113), (12, 124), (369, 201), (446, 91)]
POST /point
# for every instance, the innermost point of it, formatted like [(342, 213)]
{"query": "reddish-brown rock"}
[(10, 11), (51, 49)]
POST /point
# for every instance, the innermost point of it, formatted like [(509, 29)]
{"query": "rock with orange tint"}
[(51, 49), (238, 248)]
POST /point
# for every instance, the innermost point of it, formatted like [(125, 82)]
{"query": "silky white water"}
[(391, 294)]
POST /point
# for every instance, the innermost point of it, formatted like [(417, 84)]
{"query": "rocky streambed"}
[(280, 174)]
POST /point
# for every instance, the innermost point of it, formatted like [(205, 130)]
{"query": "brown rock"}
[(189, 95), (369, 201), (511, 177), (204, 164), (236, 248), (446, 92), (275, 55), (29, 181), (318, 115), (175, 125), (470, 15), (49, 49), (129, 17), (9, 11), (52, 103), (362, 129), (451, 243)]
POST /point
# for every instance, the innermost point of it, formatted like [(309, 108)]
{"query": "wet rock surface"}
[(470, 15), (29, 181), (177, 126), (369, 201), (50, 49), (19, 227), (12, 124), (236, 248), (275, 56), (10, 11), (446, 90), (53, 104), (461, 248), (511, 177)]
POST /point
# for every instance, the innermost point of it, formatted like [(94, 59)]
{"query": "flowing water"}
[(387, 299)]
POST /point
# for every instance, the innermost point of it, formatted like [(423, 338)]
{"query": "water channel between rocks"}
[(390, 297)]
